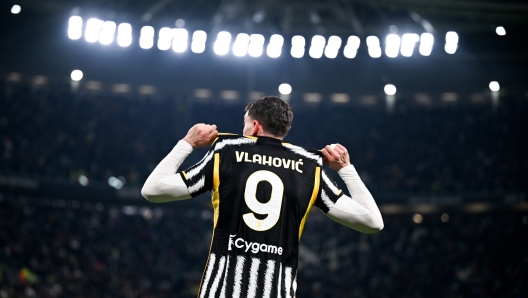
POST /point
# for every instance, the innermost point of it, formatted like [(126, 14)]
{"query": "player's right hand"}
[(335, 156), (201, 135)]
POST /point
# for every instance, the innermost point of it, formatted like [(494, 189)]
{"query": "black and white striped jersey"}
[(262, 192)]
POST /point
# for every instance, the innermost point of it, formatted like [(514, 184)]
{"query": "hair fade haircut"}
[(274, 114)]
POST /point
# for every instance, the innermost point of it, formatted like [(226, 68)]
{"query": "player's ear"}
[(256, 128)]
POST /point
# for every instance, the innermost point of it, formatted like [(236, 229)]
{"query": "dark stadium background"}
[(448, 165)]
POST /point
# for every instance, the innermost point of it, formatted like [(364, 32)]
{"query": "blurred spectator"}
[(69, 248), (52, 133)]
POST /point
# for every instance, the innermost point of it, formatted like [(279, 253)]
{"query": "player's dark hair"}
[(274, 114)]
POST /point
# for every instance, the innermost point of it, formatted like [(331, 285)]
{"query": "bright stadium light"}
[(198, 41), (352, 47), (221, 45), (106, 36), (256, 45), (285, 89), (297, 49), (275, 46), (500, 31), (408, 42), (426, 44), (332, 48), (76, 75), (93, 26), (494, 86), (146, 38), (124, 35), (392, 45), (451, 42), (179, 42), (317, 46), (389, 89), (75, 27), (374, 48), (16, 9), (165, 38), (240, 46)]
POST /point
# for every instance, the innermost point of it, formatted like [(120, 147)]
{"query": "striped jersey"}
[(262, 192)]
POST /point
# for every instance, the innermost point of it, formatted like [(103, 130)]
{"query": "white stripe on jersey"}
[(239, 267), (287, 280), (253, 274), (196, 186), (218, 146), (279, 287), (208, 272), (214, 286), (326, 200), (199, 168), (295, 285), (329, 183), (303, 152), (269, 278), (223, 291)]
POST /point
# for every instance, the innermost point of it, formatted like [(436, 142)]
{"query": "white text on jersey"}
[(254, 246), (270, 161)]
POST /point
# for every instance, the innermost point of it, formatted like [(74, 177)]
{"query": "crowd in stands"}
[(68, 248), (52, 132)]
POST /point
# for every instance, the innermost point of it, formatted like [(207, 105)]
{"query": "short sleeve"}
[(199, 177), (328, 194)]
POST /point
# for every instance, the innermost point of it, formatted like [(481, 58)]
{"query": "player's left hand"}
[(335, 156), (201, 135)]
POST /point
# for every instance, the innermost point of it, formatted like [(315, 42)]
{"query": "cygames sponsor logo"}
[(254, 247)]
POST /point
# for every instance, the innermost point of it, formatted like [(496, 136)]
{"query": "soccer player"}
[(262, 192)]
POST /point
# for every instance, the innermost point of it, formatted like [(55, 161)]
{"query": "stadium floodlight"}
[(332, 48), (392, 45), (124, 34), (221, 45), (426, 44), (494, 86), (240, 46), (500, 31), (298, 44), (317, 46), (76, 75), (408, 42), (373, 45), (275, 46), (146, 38), (256, 45), (165, 38), (106, 36), (198, 41), (389, 89), (16, 9), (75, 27), (83, 180), (93, 26), (285, 89), (352, 47), (451, 42), (179, 42)]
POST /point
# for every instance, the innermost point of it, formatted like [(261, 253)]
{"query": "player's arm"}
[(359, 212), (164, 183)]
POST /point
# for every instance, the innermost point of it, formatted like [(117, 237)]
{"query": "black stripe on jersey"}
[(329, 193), (250, 277)]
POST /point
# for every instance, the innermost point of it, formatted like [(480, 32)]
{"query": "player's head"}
[(270, 116)]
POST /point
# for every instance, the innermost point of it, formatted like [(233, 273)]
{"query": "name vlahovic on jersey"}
[(244, 276), (253, 247)]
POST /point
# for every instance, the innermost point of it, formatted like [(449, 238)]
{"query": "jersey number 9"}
[(272, 208)]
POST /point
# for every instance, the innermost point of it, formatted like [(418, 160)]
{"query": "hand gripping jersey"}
[(262, 193)]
